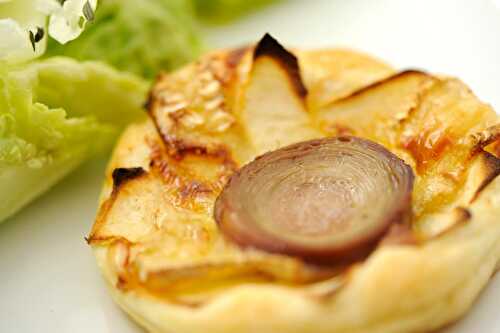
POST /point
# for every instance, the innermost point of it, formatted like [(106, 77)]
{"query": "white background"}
[(48, 278)]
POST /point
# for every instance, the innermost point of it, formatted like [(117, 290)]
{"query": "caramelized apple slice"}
[(274, 111), (325, 200)]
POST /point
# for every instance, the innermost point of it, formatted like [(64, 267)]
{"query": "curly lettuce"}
[(54, 114)]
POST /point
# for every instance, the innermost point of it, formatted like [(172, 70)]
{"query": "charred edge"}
[(268, 46), (122, 175), (492, 170), (375, 85)]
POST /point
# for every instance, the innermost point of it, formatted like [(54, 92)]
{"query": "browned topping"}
[(178, 170), (489, 171), (269, 47), (179, 148), (326, 200), (427, 146)]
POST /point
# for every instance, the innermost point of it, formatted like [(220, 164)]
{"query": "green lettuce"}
[(142, 37), (220, 11), (54, 114)]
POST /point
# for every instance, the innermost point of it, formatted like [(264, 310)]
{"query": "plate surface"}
[(48, 278)]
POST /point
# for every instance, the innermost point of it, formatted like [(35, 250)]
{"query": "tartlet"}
[(172, 269)]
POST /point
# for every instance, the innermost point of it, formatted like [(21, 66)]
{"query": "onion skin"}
[(257, 209)]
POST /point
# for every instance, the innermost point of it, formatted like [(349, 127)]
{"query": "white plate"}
[(48, 279)]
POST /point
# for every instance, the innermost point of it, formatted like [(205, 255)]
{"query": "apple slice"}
[(274, 112), (373, 111)]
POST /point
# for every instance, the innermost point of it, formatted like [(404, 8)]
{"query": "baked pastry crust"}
[(169, 268)]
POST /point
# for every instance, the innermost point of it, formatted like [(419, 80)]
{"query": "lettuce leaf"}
[(142, 37), (54, 114)]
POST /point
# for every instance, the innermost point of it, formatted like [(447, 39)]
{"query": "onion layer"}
[(326, 200)]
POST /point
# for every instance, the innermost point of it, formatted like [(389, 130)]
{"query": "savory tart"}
[(272, 190)]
